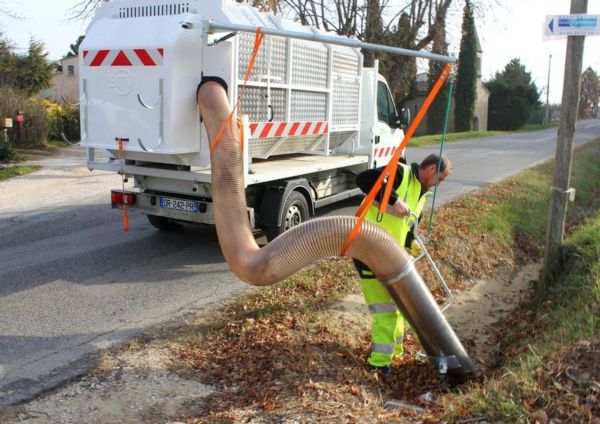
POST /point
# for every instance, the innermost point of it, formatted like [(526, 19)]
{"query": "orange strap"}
[(120, 157), (259, 35), (389, 171)]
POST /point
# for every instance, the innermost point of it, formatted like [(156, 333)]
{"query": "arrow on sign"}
[(551, 25)]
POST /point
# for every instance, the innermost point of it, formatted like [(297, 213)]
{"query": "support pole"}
[(564, 151), (547, 117)]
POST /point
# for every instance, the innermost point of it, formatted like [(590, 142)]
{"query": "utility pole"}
[(548, 92), (564, 150)]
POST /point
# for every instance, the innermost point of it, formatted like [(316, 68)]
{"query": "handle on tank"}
[(158, 102)]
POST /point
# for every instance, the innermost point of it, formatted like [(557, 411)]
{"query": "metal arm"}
[(330, 39)]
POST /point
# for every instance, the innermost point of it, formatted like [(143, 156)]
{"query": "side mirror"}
[(405, 118)]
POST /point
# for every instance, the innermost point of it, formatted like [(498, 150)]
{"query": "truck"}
[(312, 115)]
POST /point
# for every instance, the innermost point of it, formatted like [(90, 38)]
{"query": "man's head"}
[(428, 170)]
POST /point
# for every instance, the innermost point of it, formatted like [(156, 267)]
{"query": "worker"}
[(408, 196)]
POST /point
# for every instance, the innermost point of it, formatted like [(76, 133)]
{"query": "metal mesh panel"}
[(296, 144), (309, 64), (308, 106), (336, 139), (345, 64), (259, 147), (254, 104), (261, 69), (153, 10), (345, 102)]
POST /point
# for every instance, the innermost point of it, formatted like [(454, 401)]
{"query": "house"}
[(482, 94), (65, 85)]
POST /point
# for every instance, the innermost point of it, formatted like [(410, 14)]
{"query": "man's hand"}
[(400, 209)]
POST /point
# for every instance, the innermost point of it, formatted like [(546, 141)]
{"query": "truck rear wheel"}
[(163, 223), (294, 212)]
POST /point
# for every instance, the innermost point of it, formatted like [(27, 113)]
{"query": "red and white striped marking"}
[(383, 152), (126, 57), (287, 129)]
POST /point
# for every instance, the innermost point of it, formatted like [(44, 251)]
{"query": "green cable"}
[(437, 175)]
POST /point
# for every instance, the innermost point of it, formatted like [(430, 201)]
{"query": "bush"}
[(7, 153), (35, 125), (62, 119), (34, 131)]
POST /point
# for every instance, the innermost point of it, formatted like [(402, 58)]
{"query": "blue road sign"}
[(576, 24)]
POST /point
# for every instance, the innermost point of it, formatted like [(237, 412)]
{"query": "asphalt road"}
[(72, 282)]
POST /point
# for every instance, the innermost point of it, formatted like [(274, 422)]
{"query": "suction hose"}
[(318, 238)]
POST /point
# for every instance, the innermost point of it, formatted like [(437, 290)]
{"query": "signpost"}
[(575, 26), (8, 123)]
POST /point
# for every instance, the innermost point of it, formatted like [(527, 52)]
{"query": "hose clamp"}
[(410, 267)]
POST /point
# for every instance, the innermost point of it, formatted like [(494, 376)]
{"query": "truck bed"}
[(269, 170)]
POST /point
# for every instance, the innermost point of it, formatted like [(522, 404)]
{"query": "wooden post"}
[(564, 151)]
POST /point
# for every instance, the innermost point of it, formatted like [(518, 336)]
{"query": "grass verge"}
[(551, 345), (552, 349), (16, 170), (426, 140)]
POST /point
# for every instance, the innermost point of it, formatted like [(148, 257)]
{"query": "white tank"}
[(142, 60)]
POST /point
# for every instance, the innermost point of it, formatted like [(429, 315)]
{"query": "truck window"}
[(386, 111)]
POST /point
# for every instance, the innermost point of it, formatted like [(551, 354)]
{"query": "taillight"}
[(120, 198)]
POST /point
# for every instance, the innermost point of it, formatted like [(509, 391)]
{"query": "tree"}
[(7, 64), (589, 94), (33, 72), (74, 48), (409, 25), (373, 29), (437, 110), (466, 78), (513, 95)]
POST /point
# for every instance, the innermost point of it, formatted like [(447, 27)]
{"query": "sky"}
[(513, 30)]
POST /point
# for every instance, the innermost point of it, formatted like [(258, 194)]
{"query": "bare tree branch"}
[(84, 9), (9, 13)]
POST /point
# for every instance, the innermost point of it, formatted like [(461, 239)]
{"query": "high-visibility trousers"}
[(387, 323)]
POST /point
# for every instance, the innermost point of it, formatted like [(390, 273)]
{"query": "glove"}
[(415, 248)]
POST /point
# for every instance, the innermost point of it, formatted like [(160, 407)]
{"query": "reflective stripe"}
[(382, 308), (388, 349), (366, 275)]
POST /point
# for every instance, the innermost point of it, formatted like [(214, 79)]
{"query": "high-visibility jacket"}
[(409, 191)]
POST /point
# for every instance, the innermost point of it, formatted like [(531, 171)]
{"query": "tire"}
[(163, 224), (294, 212)]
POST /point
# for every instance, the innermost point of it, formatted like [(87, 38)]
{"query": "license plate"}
[(181, 205)]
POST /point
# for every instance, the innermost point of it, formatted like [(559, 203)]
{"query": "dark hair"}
[(433, 159)]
